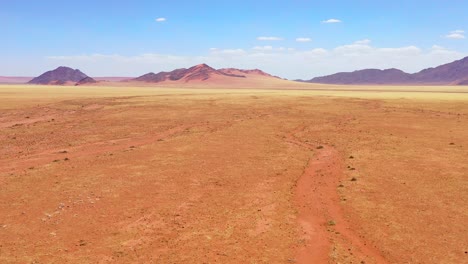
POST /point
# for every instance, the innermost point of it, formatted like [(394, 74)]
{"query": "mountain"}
[(201, 72), (256, 72), (371, 76), (60, 76), (464, 82), (447, 73), (450, 73), (87, 80)]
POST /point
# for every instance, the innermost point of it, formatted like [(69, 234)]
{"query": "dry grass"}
[(191, 175)]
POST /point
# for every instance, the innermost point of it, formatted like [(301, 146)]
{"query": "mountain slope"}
[(449, 73), (254, 72), (87, 80), (59, 76), (371, 76), (201, 72)]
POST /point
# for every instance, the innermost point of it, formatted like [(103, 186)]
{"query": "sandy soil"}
[(135, 175)]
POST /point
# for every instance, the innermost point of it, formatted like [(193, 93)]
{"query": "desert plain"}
[(167, 175)]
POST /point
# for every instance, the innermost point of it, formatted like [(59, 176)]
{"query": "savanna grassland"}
[(157, 175)]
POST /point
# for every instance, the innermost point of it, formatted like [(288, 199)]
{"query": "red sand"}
[(218, 176)]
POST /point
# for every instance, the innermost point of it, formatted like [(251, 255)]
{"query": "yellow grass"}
[(19, 95)]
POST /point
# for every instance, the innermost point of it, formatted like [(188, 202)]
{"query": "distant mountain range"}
[(62, 76), (448, 74), (200, 73), (454, 73)]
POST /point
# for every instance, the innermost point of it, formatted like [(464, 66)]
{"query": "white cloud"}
[(161, 19), (331, 20), (439, 50), (363, 42), (263, 48), (456, 34), (303, 39), (357, 48), (270, 49), (269, 38), (316, 52), (284, 62)]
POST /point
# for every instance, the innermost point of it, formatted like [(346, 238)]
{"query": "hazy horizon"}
[(294, 39)]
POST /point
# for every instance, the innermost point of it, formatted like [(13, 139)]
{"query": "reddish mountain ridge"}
[(201, 72), (61, 76), (450, 73)]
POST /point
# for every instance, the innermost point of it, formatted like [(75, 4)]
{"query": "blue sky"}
[(286, 38)]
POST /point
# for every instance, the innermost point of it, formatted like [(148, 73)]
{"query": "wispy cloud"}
[(269, 38), (303, 39), (161, 19), (331, 20), (263, 48), (270, 49), (363, 42), (456, 34)]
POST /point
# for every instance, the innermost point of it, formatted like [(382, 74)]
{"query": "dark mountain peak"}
[(444, 74), (60, 75), (160, 77), (450, 73), (367, 76), (64, 68), (198, 72)]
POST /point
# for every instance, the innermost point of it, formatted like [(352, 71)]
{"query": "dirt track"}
[(233, 178)]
